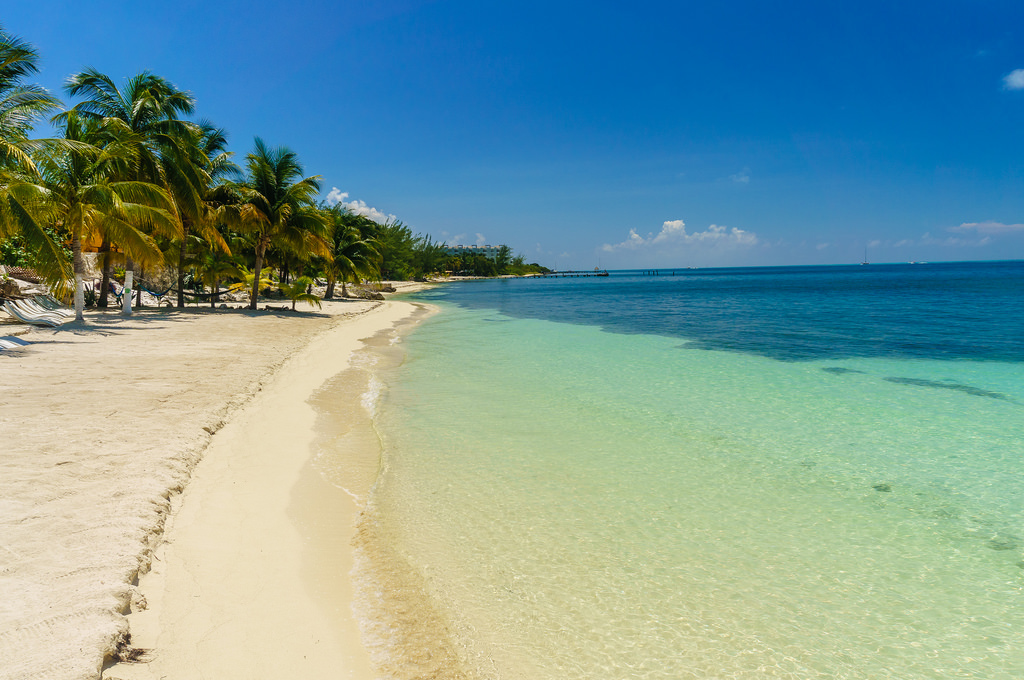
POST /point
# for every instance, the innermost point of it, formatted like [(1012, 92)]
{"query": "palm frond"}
[(296, 291)]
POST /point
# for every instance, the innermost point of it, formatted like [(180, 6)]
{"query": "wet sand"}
[(102, 424)]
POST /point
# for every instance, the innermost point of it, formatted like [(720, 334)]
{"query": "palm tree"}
[(214, 265), (21, 105), (78, 188), (278, 206), (503, 259), (146, 110), (265, 279), (396, 249), (296, 291), (208, 150), (354, 255)]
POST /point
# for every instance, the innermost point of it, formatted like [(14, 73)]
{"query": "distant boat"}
[(865, 256)]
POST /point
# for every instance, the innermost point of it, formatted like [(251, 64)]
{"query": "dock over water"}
[(573, 274)]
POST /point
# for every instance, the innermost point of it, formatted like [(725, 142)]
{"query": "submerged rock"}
[(951, 385), (1003, 543), (839, 370)]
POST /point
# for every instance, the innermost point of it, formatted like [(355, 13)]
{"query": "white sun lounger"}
[(11, 342), (50, 304), (34, 307), (28, 317), (30, 309)]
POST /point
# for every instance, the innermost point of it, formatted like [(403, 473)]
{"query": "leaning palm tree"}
[(148, 110), (78, 188), (21, 105), (277, 206)]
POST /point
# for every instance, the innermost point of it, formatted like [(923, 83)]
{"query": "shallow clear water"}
[(616, 478)]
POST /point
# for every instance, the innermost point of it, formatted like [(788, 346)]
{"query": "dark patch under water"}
[(959, 387), (965, 310), (839, 370)]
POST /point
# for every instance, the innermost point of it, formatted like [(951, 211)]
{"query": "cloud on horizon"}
[(954, 241), (357, 207), (1014, 80), (988, 227), (673, 234)]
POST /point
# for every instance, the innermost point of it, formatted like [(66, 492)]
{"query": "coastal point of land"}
[(103, 425)]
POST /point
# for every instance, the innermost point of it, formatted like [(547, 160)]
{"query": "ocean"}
[(800, 472)]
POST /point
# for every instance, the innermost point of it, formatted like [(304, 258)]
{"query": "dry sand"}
[(102, 423)]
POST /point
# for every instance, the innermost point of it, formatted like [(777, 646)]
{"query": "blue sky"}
[(626, 134)]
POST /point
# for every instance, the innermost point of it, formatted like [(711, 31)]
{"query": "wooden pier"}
[(663, 272), (573, 275)]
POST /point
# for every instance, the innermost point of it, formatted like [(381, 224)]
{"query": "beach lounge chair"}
[(33, 305), (28, 317), (27, 313), (11, 342), (35, 310), (52, 304)]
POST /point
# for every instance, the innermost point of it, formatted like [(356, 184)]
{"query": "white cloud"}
[(954, 241), (461, 240), (988, 227), (1014, 80), (673, 234), (741, 177), (821, 246), (357, 207), (874, 244)]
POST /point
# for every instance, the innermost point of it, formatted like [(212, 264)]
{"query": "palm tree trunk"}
[(105, 281), (213, 298), (181, 265), (79, 264), (329, 293), (260, 247), (344, 289), (138, 290)]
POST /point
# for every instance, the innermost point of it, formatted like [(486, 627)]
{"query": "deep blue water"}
[(960, 310)]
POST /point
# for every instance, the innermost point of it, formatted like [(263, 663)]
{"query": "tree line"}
[(131, 174)]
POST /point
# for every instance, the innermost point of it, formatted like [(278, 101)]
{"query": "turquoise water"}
[(614, 478)]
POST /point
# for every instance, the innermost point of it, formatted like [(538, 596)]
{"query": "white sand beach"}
[(103, 424)]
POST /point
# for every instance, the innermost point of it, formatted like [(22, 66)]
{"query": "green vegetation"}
[(131, 177)]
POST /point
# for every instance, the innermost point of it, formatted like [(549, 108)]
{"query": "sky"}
[(611, 134)]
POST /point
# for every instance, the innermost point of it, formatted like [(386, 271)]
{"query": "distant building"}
[(490, 252)]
